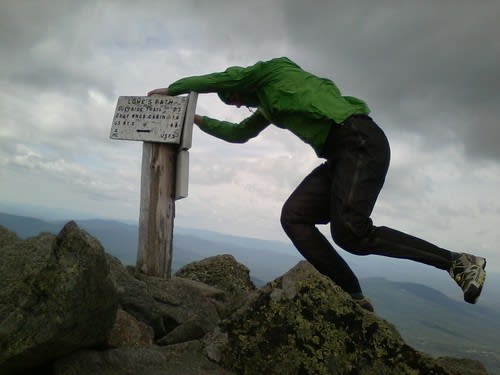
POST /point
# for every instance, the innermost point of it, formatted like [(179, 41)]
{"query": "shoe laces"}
[(463, 273)]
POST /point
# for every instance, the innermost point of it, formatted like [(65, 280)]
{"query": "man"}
[(342, 191)]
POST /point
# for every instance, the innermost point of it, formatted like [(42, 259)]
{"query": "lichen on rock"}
[(221, 271), (302, 323), (59, 294), (55, 297)]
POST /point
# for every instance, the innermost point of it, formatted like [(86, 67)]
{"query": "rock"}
[(187, 331), (129, 332), (222, 272), (185, 359), (167, 305), (58, 302), (55, 297), (303, 323), (7, 237)]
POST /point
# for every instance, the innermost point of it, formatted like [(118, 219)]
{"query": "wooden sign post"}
[(165, 125)]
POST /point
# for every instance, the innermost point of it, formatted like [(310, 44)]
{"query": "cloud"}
[(428, 71)]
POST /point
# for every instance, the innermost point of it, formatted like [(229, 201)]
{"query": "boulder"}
[(225, 273), (7, 237), (222, 272), (178, 309), (129, 332), (303, 323), (59, 316), (185, 359), (55, 297)]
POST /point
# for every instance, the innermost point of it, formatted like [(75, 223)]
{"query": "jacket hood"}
[(243, 87), (248, 99)]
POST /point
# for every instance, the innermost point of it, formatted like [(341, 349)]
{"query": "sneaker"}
[(365, 303), (468, 271)]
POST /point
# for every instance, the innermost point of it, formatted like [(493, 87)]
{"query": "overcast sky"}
[(429, 70)]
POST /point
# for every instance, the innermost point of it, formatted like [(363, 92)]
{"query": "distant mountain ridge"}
[(266, 259), (189, 245), (433, 322), (427, 318)]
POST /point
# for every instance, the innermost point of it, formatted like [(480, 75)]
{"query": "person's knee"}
[(294, 225), (287, 217), (352, 235)]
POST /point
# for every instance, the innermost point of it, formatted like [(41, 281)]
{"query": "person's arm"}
[(160, 91), (231, 132), (234, 78)]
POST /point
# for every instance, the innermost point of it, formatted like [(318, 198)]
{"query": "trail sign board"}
[(149, 118), (159, 119)]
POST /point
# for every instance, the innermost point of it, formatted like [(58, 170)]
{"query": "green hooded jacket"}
[(286, 96)]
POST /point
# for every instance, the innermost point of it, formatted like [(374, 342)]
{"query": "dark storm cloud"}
[(52, 45), (24, 25), (49, 46), (431, 67), (425, 67)]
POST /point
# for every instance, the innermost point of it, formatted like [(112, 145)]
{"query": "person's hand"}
[(197, 119), (161, 91)]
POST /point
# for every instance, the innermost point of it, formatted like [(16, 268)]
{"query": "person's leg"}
[(309, 205), (359, 166)]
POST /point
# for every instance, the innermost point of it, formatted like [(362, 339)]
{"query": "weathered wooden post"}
[(165, 125)]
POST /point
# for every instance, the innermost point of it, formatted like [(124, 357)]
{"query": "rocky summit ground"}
[(68, 308)]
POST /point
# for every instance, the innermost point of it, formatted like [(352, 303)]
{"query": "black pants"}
[(342, 192)]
